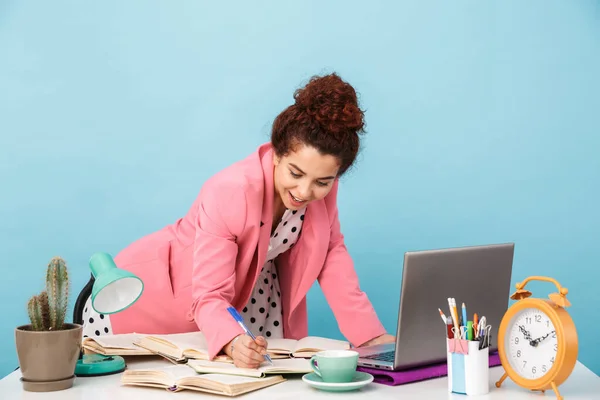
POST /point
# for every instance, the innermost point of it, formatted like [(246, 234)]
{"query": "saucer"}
[(360, 379), (47, 386)]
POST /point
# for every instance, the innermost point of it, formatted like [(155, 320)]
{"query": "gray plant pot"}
[(48, 358)]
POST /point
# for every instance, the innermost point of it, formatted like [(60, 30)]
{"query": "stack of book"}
[(192, 369)]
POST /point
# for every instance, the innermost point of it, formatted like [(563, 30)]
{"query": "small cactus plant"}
[(47, 311)]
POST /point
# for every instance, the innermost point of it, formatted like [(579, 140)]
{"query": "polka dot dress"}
[(94, 324), (263, 313)]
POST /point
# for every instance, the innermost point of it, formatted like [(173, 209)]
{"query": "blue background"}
[(482, 125)]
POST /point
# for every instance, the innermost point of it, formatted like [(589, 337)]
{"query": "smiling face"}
[(302, 176)]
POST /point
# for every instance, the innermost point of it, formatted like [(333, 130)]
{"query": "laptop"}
[(479, 276)]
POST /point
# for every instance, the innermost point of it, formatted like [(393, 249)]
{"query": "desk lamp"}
[(114, 290)]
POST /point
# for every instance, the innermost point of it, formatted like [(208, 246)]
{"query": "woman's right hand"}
[(246, 352)]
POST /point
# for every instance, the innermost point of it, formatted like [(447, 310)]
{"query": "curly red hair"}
[(326, 116)]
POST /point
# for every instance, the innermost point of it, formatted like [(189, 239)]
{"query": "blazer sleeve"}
[(353, 310), (221, 217)]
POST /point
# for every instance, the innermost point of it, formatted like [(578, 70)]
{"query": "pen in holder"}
[(468, 358)]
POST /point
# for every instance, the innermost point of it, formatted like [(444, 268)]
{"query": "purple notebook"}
[(394, 378)]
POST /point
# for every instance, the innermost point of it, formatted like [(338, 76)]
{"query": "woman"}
[(257, 236)]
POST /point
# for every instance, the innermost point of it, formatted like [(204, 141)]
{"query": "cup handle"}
[(314, 367)]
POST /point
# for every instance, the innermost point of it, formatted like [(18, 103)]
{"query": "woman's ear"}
[(276, 159)]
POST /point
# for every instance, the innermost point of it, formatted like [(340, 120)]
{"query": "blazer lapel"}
[(267, 210), (306, 265)]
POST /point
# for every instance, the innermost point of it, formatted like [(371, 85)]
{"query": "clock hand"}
[(540, 339), (525, 333)]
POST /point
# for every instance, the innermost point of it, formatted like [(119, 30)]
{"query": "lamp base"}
[(98, 365)]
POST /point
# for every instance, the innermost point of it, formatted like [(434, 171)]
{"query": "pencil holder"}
[(468, 367)]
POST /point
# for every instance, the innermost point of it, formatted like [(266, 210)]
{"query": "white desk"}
[(582, 385)]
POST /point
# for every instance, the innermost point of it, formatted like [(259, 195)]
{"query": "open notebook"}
[(115, 345), (305, 347), (179, 347), (286, 366), (181, 377)]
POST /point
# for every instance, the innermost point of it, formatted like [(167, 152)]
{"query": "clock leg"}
[(555, 388), (501, 380)]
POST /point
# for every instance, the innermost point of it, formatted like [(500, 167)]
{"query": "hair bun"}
[(332, 103)]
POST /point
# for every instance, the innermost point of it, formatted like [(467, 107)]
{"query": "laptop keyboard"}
[(386, 356)]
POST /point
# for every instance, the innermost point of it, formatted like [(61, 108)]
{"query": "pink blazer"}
[(210, 259)]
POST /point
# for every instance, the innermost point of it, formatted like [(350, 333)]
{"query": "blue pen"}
[(240, 321), (464, 313)]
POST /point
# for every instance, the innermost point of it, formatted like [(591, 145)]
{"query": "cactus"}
[(57, 286), (34, 309), (47, 311), (43, 299)]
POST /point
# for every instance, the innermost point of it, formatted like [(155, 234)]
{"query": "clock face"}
[(531, 343)]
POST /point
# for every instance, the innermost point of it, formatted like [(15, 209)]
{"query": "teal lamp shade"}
[(114, 289)]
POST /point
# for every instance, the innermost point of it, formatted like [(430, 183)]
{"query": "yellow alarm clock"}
[(537, 339)]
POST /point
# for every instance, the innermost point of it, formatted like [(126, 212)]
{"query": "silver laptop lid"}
[(479, 276)]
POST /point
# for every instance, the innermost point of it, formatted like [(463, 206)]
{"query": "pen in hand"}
[(240, 321)]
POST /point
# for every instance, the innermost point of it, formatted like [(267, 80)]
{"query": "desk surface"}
[(583, 384)]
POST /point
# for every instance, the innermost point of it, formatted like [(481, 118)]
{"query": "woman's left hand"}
[(383, 339)]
